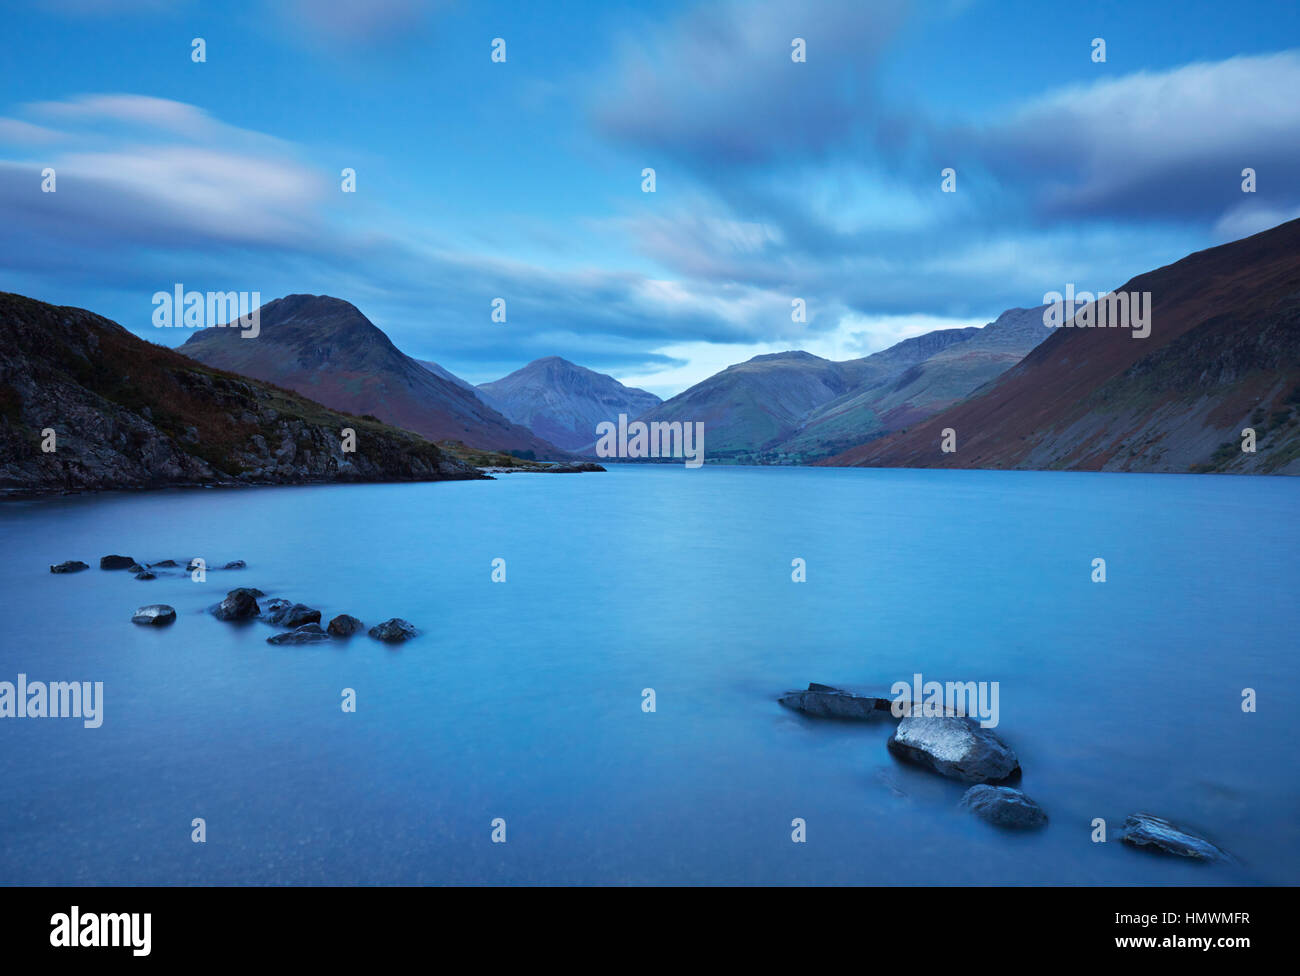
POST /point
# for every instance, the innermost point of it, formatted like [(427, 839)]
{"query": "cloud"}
[(1152, 144), (719, 85)]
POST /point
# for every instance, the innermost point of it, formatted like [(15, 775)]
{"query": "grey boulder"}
[(1003, 806), (293, 615), (823, 701), (393, 631), (240, 604), (344, 625), (155, 614), (954, 746), (1153, 833), (306, 634)]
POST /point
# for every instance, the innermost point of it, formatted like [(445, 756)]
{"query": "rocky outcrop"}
[(393, 631), (1154, 834), (1004, 807), (956, 747), (127, 413), (71, 566), (344, 625), (117, 562), (155, 615), (240, 604), (824, 701)]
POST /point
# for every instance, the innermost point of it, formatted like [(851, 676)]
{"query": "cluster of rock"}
[(302, 621), (145, 571), (959, 748)]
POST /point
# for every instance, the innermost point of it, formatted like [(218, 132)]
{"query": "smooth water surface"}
[(523, 700)]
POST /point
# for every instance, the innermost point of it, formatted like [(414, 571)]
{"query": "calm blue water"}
[(522, 700)]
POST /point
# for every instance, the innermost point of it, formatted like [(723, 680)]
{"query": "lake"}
[(522, 699)]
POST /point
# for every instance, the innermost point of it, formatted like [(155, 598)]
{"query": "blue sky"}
[(522, 179)]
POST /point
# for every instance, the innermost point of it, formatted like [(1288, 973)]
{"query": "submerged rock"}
[(71, 566), (116, 562), (293, 615), (1152, 833), (344, 625), (156, 614), (823, 701), (240, 604), (144, 574), (237, 564), (165, 564), (135, 568), (954, 746), (1003, 806), (393, 631), (306, 634)]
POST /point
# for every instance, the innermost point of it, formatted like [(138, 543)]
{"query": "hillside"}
[(1223, 354), (128, 413)]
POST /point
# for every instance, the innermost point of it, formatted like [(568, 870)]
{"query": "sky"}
[(522, 179)]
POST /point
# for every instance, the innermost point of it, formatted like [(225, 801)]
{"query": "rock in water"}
[(156, 614), (393, 631), (71, 566), (237, 564), (116, 562), (1152, 833), (166, 564), (823, 701), (344, 625), (144, 574), (287, 614), (1004, 806), (306, 634), (954, 746), (240, 604)]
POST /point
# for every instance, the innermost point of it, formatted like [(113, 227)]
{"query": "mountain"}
[(324, 348), (1223, 354), (914, 379), (448, 375), (127, 413), (562, 402), (756, 403)]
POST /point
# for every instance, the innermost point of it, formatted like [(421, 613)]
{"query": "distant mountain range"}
[(563, 402), (84, 404), (325, 349), (1223, 355), (794, 407)]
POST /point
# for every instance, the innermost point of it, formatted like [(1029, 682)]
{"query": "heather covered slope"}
[(324, 348), (1223, 355), (563, 402), (127, 413)]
